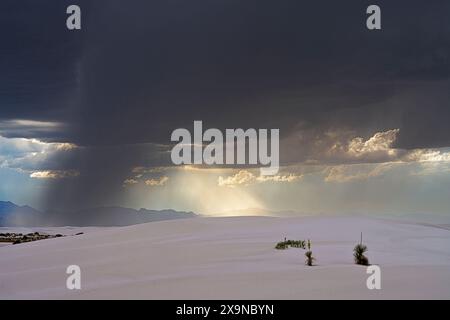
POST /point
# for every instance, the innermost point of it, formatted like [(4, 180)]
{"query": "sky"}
[(86, 116)]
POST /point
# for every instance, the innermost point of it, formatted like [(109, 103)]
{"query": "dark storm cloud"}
[(139, 70), (38, 60), (156, 66), (135, 72)]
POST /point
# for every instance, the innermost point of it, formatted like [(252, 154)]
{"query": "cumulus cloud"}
[(342, 147), (418, 161), (144, 170), (243, 177), (333, 150), (427, 155), (377, 148), (429, 161), (279, 178), (33, 155), (157, 182), (379, 142), (54, 174), (339, 146), (130, 182), (246, 178), (145, 175)]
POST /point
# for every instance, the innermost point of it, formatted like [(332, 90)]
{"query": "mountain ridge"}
[(12, 215)]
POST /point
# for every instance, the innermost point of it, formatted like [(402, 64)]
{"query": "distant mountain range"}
[(261, 212), (12, 215)]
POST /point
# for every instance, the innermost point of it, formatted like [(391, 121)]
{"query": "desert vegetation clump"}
[(18, 238), (301, 244), (358, 254), (309, 258)]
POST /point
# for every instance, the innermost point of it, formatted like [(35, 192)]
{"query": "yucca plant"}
[(358, 254), (309, 258)]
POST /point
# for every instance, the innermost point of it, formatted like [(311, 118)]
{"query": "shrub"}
[(281, 245), (296, 243), (290, 243), (358, 254), (309, 258)]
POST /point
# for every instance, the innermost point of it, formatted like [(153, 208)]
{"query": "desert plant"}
[(358, 254), (295, 244), (290, 243), (281, 245), (309, 258)]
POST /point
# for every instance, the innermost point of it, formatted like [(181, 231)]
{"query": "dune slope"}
[(233, 258)]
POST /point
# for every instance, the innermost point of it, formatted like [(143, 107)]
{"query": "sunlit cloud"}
[(428, 155), (243, 178), (377, 148), (130, 182), (379, 142), (157, 182), (32, 155), (246, 178), (54, 174), (151, 182), (143, 170)]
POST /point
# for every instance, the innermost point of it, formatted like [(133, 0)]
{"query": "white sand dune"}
[(233, 258)]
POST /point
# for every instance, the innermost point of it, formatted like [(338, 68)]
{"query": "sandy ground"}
[(233, 258)]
